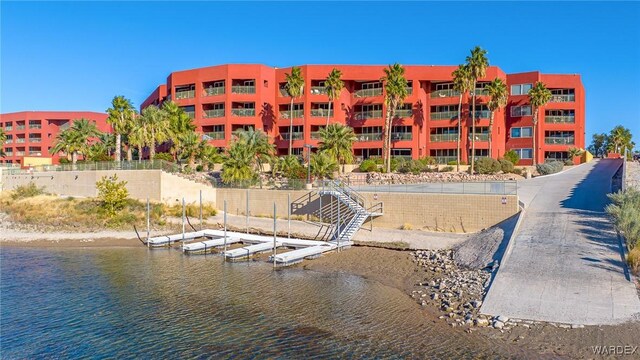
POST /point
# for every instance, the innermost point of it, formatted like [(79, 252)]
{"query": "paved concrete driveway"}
[(565, 264)]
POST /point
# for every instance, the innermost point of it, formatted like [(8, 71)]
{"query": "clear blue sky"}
[(77, 56)]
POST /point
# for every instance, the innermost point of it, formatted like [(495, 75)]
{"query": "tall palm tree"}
[(337, 141), (395, 86), (209, 156), (69, 142), (539, 96), (138, 135), (84, 130), (237, 165), (619, 139), (295, 88), (3, 138), (477, 63), (180, 124), (497, 91), (333, 85), (120, 117), (462, 83), (259, 145), (109, 142), (192, 146), (156, 122)]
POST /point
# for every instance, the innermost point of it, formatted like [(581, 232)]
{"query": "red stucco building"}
[(225, 98), (33, 133)]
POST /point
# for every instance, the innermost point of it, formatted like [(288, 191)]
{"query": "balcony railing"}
[(316, 135), (368, 92), (318, 90), (370, 114), (404, 113), (215, 135), (19, 153), (559, 140), (295, 136), (483, 114), (563, 98), (445, 159), (35, 153), (35, 140), (559, 119), (481, 92), (214, 91), (369, 137), (444, 115), (480, 137), (443, 137), (283, 92), (9, 153), (214, 113), (286, 114), (8, 128), (191, 114), (444, 93), (243, 89), (243, 112), (400, 136), (188, 94), (321, 113), (20, 140), (35, 126), (20, 127), (409, 90)]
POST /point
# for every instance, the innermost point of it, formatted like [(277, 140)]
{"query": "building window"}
[(524, 110), (521, 132), (520, 89), (524, 153)]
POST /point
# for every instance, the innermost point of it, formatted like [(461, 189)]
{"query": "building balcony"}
[(401, 136), (294, 136), (185, 94), (480, 137), (213, 113), (20, 127), (8, 128), (369, 114), (283, 92), (35, 140), (482, 92), (368, 92), (556, 140), (243, 89), (19, 153), (215, 135), (563, 98), (443, 137), (315, 135), (20, 140), (296, 114), (214, 91), (191, 114), (445, 159), (444, 115), (321, 113), (444, 93), (483, 114), (35, 153), (318, 90), (243, 112), (35, 126), (369, 137), (559, 119), (9, 141), (404, 113)]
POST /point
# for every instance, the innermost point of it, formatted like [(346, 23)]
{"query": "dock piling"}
[(225, 229), (183, 217), (288, 215), (247, 211), (200, 209), (148, 221), (274, 235), (338, 229)]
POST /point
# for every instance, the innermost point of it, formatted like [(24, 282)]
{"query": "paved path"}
[(564, 264)]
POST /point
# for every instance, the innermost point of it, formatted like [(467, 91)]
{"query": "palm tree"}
[(238, 164), (539, 96), (337, 140), (395, 86), (192, 146), (619, 139), (69, 142), (333, 85), (109, 142), (323, 165), (294, 87), (209, 156), (156, 122), (121, 114), (477, 63), (84, 130), (3, 138), (497, 91), (461, 83), (574, 152), (180, 123), (258, 144)]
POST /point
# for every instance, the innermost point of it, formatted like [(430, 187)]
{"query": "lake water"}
[(135, 303)]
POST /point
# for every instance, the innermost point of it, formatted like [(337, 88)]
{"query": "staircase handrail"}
[(341, 233), (340, 186)]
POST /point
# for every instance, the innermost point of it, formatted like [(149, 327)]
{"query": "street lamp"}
[(308, 146)]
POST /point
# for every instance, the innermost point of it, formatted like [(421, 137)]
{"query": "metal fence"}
[(104, 165)]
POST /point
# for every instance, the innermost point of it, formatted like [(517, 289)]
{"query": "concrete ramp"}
[(564, 263)]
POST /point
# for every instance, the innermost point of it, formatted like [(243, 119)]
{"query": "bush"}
[(427, 160), (487, 165), (512, 156), (625, 210), (112, 194), (568, 162), (633, 259), (550, 167), (446, 169), (25, 191), (63, 161), (192, 210), (412, 166), (506, 166), (368, 165), (517, 171), (406, 226), (163, 156)]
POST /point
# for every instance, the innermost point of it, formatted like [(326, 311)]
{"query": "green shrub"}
[(412, 166), (625, 211), (63, 161), (517, 171), (550, 167), (163, 156), (112, 194), (568, 162), (25, 191), (487, 165), (447, 168), (506, 166), (512, 156), (452, 162), (368, 165), (427, 160)]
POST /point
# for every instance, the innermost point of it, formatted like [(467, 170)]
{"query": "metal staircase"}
[(351, 212)]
